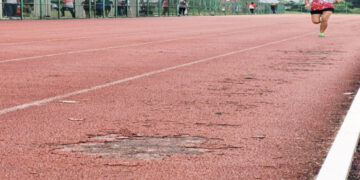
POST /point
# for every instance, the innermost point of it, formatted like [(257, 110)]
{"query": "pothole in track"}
[(139, 147)]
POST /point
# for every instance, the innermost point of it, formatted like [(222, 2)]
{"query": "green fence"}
[(344, 7), (67, 9)]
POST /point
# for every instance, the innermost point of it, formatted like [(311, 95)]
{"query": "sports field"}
[(225, 97)]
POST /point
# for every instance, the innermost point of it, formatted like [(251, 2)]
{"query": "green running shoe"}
[(321, 35)]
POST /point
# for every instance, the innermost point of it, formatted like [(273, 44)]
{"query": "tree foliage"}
[(354, 3)]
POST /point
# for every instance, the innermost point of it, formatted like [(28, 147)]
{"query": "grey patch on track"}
[(138, 147), (217, 124), (312, 52)]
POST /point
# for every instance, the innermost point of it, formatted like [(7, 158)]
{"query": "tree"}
[(355, 3)]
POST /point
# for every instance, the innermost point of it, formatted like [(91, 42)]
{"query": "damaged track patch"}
[(138, 147)]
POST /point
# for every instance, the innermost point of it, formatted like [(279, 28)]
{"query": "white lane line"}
[(48, 40), (47, 100), (90, 36), (91, 50), (84, 51), (338, 161), (107, 48)]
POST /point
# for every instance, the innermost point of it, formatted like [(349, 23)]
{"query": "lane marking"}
[(50, 99), (101, 35), (196, 36), (85, 50), (90, 36), (338, 161), (48, 40)]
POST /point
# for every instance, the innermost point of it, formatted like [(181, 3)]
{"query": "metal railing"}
[(62, 9)]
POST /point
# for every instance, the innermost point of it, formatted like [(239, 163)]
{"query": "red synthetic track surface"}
[(289, 92)]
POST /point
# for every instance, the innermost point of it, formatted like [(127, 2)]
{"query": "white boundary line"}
[(40, 41), (83, 51), (105, 48), (90, 50), (96, 36), (90, 36), (338, 161), (47, 100)]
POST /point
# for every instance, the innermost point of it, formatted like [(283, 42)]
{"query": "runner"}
[(320, 13)]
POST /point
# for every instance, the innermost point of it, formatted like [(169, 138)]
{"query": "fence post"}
[(198, 8), (21, 9), (133, 5), (137, 8), (159, 6), (177, 7), (103, 8), (89, 6), (346, 7), (214, 7), (94, 9), (74, 8), (58, 5), (41, 9), (147, 7), (1, 9), (116, 8)]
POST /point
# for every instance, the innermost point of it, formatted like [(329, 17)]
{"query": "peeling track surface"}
[(270, 112)]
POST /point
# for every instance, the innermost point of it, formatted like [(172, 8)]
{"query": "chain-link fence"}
[(65, 9), (59, 9), (343, 7)]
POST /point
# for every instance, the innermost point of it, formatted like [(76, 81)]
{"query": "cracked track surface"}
[(273, 110)]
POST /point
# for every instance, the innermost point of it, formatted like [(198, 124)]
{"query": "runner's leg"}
[(315, 18), (324, 20)]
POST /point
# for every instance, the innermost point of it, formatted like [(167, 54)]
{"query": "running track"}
[(265, 85)]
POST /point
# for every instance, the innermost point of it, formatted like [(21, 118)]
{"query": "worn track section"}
[(255, 97)]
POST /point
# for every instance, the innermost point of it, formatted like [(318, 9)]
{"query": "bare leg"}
[(324, 21), (315, 18)]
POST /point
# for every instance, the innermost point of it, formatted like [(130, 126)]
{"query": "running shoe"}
[(321, 35)]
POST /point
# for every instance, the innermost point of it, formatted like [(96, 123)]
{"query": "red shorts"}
[(317, 5)]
